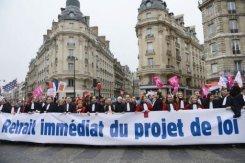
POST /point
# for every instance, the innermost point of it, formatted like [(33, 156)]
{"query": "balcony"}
[(232, 11), (169, 53), (178, 57), (234, 30), (177, 45), (150, 52), (149, 36), (236, 51)]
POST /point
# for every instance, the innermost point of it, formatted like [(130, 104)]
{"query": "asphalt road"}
[(33, 153)]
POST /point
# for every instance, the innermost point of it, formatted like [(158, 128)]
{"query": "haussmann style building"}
[(224, 37), (167, 47), (72, 44)]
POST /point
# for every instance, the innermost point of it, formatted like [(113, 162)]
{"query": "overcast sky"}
[(23, 23)]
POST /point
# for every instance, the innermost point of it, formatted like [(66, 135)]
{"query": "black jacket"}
[(53, 108), (119, 107), (6, 108), (71, 109), (229, 102), (132, 107), (98, 108), (158, 105), (37, 107)]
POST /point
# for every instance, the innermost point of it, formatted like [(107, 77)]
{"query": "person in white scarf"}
[(194, 105)]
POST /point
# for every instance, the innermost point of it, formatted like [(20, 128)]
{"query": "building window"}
[(233, 26), (238, 65), (148, 4), (71, 52), (214, 68), (150, 61), (150, 48), (148, 15), (236, 47), (210, 9), (149, 31), (70, 82), (211, 29), (71, 66), (214, 48), (231, 6)]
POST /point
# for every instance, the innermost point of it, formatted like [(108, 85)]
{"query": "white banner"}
[(160, 128)]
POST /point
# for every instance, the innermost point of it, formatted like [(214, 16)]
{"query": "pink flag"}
[(174, 82), (38, 92), (205, 91), (230, 82), (158, 81)]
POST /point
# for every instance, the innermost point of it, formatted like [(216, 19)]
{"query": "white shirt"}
[(171, 107), (211, 106), (18, 111), (12, 110), (32, 106), (182, 104), (67, 107), (224, 101), (109, 107), (47, 107), (43, 104), (1, 107), (199, 101), (244, 97), (145, 107), (195, 107), (128, 107), (93, 107)]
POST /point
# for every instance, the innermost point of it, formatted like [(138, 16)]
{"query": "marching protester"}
[(119, 106), (226, 99), (34, 106), (212, 103), (193, 104), (130, 106), (5, 106), (180, 101), (170, 105), (158, 104), (50, 107), (144, 106), (108, 108), (69, 106), (94, 106)]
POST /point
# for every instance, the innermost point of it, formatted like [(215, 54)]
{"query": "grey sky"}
[(23, 22)]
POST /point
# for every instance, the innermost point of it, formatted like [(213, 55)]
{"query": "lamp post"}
[(74, 59)]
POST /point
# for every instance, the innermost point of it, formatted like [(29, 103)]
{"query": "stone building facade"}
[(167, 47), (72, 43), (224, 37)]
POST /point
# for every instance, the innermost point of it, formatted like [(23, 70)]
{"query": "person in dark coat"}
[(212, 102), (237, 101), (129, 105), (119, 106), (180, 101), (108, 108), (69, 106), (94, 106), (170, 106), (34, 106), (50, 106), (194, 105), (226, 100), (158, 104), (201, 100), (6, 106)]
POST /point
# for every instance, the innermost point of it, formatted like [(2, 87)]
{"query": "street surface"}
[(33, 153)]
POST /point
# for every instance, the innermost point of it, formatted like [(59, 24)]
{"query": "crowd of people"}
[(233, 99)]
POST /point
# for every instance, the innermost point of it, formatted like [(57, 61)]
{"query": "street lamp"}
[(74, 59)]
